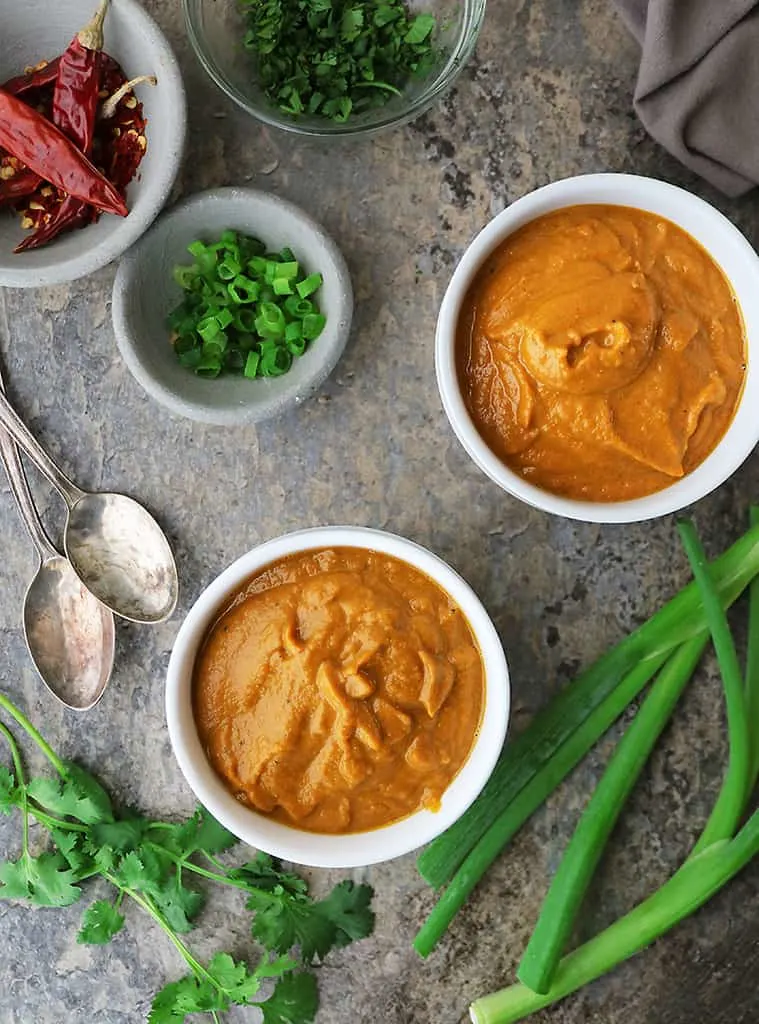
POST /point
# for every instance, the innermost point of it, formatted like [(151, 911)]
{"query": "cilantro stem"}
[(19, 770), (29, 729), (49, 821), (213, 860), (150, 908), (212, 875)]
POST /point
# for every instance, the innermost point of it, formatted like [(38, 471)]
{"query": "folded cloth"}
[(698, 85)]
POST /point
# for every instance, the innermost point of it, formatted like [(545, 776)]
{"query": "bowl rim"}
[(682, 208), (354, 849), (258, 409), (162, 178), (474, 10)]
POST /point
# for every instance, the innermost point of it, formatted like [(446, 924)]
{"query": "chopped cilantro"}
[(336, 58)]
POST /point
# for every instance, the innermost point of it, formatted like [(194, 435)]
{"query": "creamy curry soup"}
[(341, 690), (601, 353)]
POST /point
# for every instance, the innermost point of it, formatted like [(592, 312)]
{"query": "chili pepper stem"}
[(91, 36), (108, 108)]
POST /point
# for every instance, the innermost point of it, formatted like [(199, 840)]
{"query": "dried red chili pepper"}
[(43, 74), (43, 147), (120, 141), (23, 183), (75, 103)]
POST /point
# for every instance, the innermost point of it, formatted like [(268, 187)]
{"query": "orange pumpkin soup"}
[(341, 690), (601, 353)]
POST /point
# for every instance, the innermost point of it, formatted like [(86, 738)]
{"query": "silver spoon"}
[(114, 545), (69, 633)]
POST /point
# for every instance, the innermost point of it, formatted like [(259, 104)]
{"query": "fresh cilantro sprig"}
[(152, 863), (336, 58)]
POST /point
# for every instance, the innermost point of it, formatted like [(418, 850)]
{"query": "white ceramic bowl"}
[(725, 244), (37, 30), (333, 851), (144, 293)]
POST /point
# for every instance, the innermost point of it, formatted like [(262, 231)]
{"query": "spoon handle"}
[(23, 497), (24, 438)]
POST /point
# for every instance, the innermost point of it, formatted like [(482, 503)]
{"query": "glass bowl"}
[(216, 29)]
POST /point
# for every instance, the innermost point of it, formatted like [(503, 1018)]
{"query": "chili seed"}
[(34, 205), (117, 132), (142, 142), (27, 222), (103, 94), (131, 102), (46, 191), (6, 172)]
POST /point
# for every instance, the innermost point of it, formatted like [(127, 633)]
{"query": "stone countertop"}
[(547, 95)]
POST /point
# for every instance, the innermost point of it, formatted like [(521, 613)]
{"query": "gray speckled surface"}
[(547, 95)]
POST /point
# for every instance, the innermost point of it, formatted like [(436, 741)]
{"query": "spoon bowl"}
[(115, 545), (70, 635)]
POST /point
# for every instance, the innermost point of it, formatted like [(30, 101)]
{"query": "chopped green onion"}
[(245, 321), (288, 271), (313, 325), (208, 367), (186, 276), (242, 290), (243, 311), (275, 361), (228, 269), (190, 359), (251, 364), (298, 308), (309, 285), (209, 328)]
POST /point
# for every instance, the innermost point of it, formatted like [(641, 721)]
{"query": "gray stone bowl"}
[(144, 293), (36, 30)]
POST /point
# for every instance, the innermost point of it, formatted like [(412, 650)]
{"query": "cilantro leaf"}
[(9, 791), (78, 796), (263, 873), (226, 972), (131, 874), (51, 880), (348, 908), (15, 879), (420, 28), (123, 835), (46, 880), (284, 920), (100, 922), (188, 995), (295, 1000), (72, 847), (201, 832), (178, 904)]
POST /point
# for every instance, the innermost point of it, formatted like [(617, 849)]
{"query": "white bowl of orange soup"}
[(337, 697), (595, 348)]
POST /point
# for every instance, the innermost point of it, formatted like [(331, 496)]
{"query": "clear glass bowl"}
[(216, 29)]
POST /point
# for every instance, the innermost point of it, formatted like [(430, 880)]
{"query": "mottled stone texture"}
[(548, 94)]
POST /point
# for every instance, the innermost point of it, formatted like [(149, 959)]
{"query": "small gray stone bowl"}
[(144, 293), (35, 30)]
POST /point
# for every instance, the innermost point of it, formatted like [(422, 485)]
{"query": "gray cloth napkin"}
[(698, 85)]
